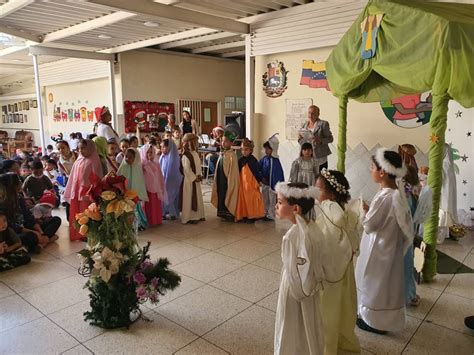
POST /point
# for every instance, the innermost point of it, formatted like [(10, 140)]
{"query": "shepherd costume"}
[(170, 167), (250, 203), (225, 189), (388, 233), (155, 186), (192, 205), (298, 324), (82, 174), (136, 182), (272, 173)]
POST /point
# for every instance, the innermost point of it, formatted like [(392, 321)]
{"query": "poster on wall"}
[(409, 111), (296, 115), (150, 116)]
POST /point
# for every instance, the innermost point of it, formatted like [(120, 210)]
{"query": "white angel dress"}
[(448, 209), (339, 295), (298, 325), (388, 233)]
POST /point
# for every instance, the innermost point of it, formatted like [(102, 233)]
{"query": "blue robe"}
[(272, 171)]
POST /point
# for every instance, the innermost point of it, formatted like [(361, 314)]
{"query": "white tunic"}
[(187, 213), (298, 326), (104, 130), (388, 233)]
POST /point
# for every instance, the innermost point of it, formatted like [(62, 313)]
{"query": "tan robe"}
[(231, 171)]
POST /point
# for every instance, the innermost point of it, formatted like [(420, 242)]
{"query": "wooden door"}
[(208, 116)]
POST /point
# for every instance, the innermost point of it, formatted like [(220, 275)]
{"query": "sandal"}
[(415, 301)]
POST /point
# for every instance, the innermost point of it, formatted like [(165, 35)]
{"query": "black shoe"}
[(469, 322), (364, 326), (266, 219), (250, 221)]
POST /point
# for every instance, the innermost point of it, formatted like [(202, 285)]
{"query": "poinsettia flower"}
[(108, 195), (130, 195), (93, 212), (107, 263), (139, 278), (141, 292), (83, 220), (84, 229)]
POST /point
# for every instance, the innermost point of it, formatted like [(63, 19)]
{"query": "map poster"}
[(296, 114)]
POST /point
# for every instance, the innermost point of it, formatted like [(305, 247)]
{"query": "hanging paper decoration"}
[(150, 116), (83, 114), (369, 28), (410, 111), (274, 79), (314, 75)]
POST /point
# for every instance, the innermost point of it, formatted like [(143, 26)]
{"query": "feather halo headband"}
[(284, 189), (388, 166)]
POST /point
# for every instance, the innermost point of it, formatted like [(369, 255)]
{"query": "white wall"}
[(31, 125), (89, 94)]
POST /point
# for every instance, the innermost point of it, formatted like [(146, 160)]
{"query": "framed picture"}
[(21, 118), (25, 117), (16, 118), (34, 103), (15, 107), (3, 118), (26, 105), (5, 109)]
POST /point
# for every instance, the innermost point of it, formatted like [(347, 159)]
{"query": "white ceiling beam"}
[(218, 47), (20, 34), (69, 53), (223, 8), (178, 14), (10, 50), (187, 42), (233, 54), (15, 66), (88, 26), (286, 3), (12, 6), (159, 40)]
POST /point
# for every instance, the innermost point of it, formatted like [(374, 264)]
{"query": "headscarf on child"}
[(154, 180), (134, 174), (101, 146), (170, 167), (82, 170)]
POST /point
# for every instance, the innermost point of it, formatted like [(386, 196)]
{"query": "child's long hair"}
[(9, 183), (336, 182), (306, 146)]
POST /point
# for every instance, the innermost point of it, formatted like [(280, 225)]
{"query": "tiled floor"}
[(225, 304)]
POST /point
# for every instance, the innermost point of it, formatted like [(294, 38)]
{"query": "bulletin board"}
[(151, 116)]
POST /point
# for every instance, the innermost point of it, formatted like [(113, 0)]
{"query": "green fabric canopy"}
[(421, 46)]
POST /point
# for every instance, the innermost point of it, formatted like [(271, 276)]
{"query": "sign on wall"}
[(150, 116), (296, 115), (409, 111)]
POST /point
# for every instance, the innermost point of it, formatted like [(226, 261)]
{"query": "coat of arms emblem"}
[(274, 79)]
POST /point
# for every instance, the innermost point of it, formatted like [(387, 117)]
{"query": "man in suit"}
[(321, 136)]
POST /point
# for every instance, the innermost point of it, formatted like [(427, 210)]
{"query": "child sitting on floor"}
[(298, 324), (305, 169), (37, 183), (250, 204), (12, 253), (272, 173), (225, 188)]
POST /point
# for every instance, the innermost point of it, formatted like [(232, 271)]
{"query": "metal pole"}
[(249, 87), (112, 92), (40, 104)]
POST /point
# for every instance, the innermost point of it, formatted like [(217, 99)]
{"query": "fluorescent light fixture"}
[(151, 24), (104, 36)]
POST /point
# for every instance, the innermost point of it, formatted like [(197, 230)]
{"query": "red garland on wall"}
[(150, 115)]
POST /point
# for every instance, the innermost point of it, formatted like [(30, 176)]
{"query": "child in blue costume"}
[(131, 169), (272, 173)]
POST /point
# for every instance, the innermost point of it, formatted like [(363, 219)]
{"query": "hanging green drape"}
[(421, 46), (438, 124), (342, 135)]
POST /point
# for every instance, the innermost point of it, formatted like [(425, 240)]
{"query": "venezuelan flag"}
[(314, 75)]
